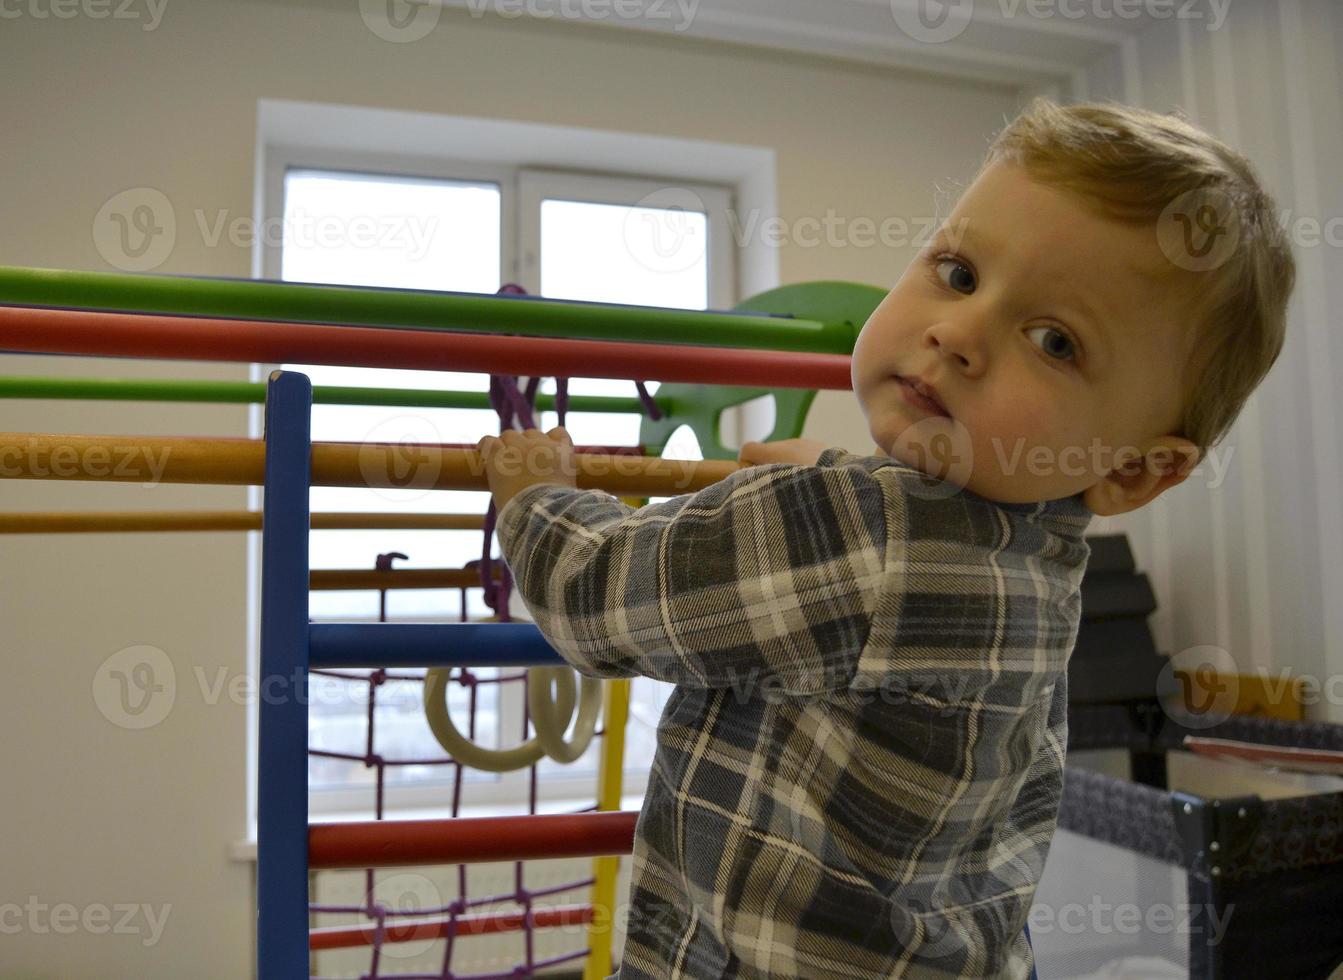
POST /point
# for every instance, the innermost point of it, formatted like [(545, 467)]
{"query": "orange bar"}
[(469, 840), (55, 522), (486, 923), (345, 579), (151, 460)]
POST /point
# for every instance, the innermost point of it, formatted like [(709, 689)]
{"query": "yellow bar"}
[(606, 870)]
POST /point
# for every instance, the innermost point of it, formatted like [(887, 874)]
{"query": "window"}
[(358, 219)]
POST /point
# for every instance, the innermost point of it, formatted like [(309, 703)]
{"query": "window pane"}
[(413, 233), (370, 230), (618, 254)]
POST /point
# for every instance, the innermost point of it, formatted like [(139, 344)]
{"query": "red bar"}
[(469, 840), (486, 923), (48, 331)]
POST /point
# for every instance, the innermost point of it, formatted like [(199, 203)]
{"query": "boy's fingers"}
[(752, 452), (559, 433)]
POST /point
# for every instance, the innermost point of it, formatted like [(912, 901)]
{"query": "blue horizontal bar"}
[(335, 645)]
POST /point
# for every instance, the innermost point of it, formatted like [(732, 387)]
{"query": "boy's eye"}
[(1059, 345), (965, 279)]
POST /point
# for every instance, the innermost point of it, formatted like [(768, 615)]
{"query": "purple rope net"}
[(516, 408)]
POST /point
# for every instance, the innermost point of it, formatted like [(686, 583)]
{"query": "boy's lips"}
[(922, 394)]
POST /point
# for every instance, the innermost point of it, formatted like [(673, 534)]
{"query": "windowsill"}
[(244, 851)]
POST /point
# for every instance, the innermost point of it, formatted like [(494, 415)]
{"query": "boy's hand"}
[(804, 452), (516, 460)]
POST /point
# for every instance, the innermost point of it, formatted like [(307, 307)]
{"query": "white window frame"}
[(529, 162)]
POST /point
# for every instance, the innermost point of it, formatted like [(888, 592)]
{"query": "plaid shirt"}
[(858, 772)]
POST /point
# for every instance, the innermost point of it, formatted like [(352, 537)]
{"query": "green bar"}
[(251, 299), (245, 392)]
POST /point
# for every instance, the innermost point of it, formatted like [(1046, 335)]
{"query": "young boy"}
[(858, 773)]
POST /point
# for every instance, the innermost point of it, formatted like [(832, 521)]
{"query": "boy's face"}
[(1054, 346)]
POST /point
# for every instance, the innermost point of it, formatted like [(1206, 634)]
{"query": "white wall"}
[(97, 814), (1250, 562)]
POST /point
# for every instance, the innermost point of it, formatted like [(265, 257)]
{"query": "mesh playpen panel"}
[(1118, 901)]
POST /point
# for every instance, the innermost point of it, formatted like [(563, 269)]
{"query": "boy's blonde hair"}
[(1140, 166)]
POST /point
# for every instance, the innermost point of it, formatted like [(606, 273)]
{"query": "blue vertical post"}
[(282, 777)]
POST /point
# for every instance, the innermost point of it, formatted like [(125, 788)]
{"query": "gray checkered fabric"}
[(859, 771)]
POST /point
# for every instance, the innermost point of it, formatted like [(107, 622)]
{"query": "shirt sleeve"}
[(768, 577)]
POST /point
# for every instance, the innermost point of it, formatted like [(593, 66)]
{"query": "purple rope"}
[(650, 406), (562, 398)]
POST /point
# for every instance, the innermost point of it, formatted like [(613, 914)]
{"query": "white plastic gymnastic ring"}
[(461, 748), (550, 717), (555, 719)]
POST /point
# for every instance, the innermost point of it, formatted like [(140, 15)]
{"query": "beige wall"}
[(95, 814)]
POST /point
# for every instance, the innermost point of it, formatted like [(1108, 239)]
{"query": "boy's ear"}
[(1138, 480)]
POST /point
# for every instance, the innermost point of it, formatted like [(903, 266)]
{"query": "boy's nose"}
[(959, 343)]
